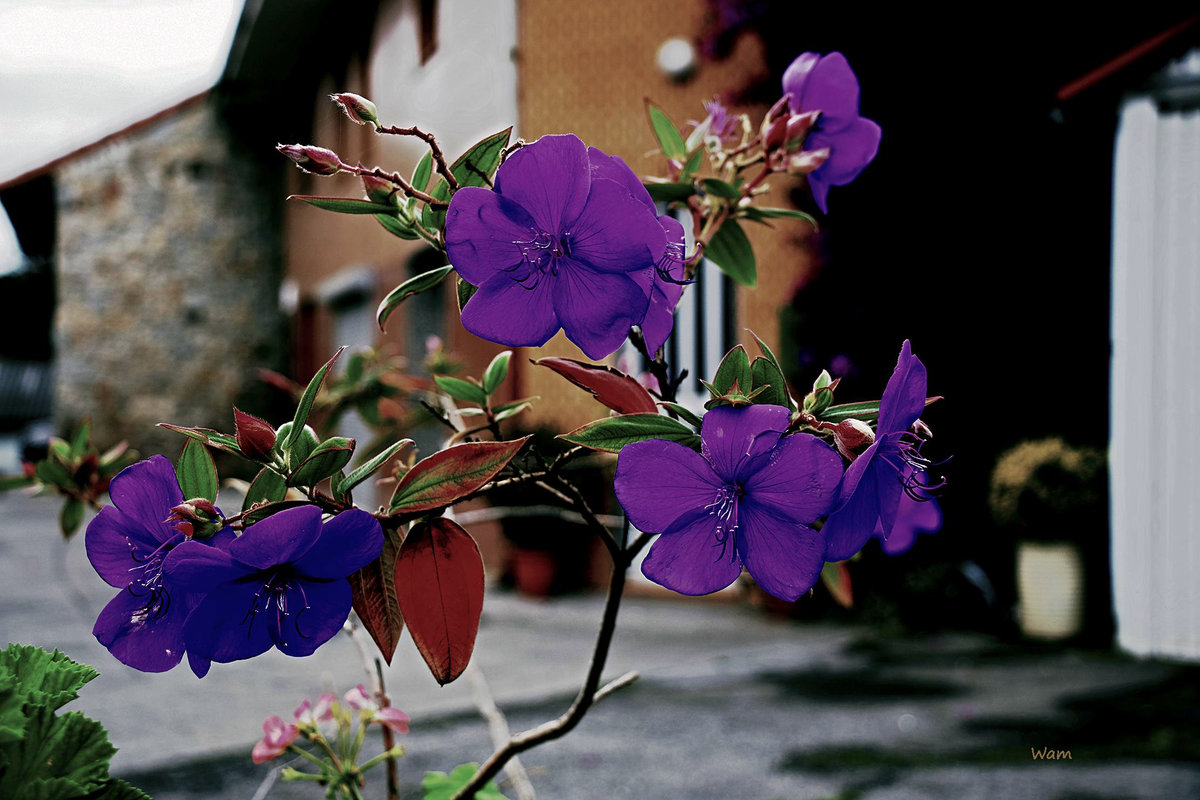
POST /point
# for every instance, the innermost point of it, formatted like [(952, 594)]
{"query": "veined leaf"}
[(414, 285), (612, 434), (196, 472), (366, 470), (496, 372), (730, 250), (465, 292), (221, 441), (668, 136), (663, 192), (451, 474), (609, 386), (306, 402), (268, 486), (461, 389), (397, 227), (373, 589), (346, 205), (421, 173)]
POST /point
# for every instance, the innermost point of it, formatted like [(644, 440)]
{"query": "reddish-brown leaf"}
[(254, 436), (375, 599), (610, 387), (439, 581), (452, 473)]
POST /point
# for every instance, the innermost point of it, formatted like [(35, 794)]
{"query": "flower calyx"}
[(197, 518)]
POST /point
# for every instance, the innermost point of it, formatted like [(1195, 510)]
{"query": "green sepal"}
[(326, 459), (734, 368), (366, 470), (196, 472), (613, 433), (496, 372), (668, 136), (414, 285), (346, 205), (300, 420), (730, 250), (768, 377), (268, 486), (461, 389)]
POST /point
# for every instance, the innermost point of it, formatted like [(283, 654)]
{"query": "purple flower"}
[(127, 543), (669, 270), (913, 516), (747, 499), (554, 246), (282, 583), (827, 84), (887, 470)]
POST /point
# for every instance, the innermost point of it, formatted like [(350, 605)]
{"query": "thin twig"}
[(494, 513), (498, 729), (439, 157), (399, 180), (616, 684), (375, 678)]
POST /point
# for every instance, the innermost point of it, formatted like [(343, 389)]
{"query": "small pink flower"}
[(277, 736), (393, 719), (323, 711), (360, 699)]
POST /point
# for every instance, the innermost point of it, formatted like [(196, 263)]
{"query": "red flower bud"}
[(379, 190), (357, 108), (255, 437), (310, 158), (852, 437)]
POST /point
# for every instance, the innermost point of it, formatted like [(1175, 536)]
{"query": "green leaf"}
[(82, 439), (613, 433), (10, 482), (662, 192), (12, 718), (196, 472), (414, 285), (734, 368), (305, 444), (766, 374), (753, 212), (366, 470), (346, 205), (524, 401), (451, 474), (268, 485), (53, 473), (42, 678), (397, 227), (684, 413), (424, 168), (440, 786), (306, 403), (511, 411), (720, 188), (117, 789), (465, 292), (460, 389), (496, 372), (325, 460), (669, 137), (866, 411), (692, 164), (221, 441), (70, 516), (59, 757), (730, 250)]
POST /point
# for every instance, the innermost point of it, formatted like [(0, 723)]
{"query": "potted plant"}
[(1050, 496)]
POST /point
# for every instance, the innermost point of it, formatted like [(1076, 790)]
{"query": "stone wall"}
[(168, 280)]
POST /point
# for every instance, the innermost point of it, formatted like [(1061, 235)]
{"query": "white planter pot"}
[(1050, 589)]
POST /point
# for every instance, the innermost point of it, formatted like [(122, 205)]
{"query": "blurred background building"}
[(986, 231)]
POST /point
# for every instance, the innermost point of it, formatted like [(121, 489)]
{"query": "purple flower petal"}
[(549, 178), (306, 628), (510, 313), (904, 398), (348, 542), (912, 517), (689, 559), (799, 481), (146, 492), (482, 229), (229, 625), (278, 539), (115, 543), (142, 630), (614, 168), (784, 558), (198, 567), (850, 151), (659, 481), (660, 315), (615, 232), (199, 665), (597, 309), (849, 528), (889, 491), (732, 437), (823, 83)]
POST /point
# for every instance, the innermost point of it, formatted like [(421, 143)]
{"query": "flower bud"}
[(357, 108), (852, 437), (197, 518), (255, 437), (807, 161), (380, 191), (311, 158)]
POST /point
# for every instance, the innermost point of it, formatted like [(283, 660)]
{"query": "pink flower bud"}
[(277, 736), (379, 190), (852, 437), (359, 698), (310, 158), (357, 108), (393, 719)]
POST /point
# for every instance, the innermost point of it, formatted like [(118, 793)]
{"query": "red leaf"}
[(439, 581), (255, 436), (611, 387), (452, 473), (375, 600), (836, 578)]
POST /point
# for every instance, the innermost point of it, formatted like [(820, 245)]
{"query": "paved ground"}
[(731, 704)]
